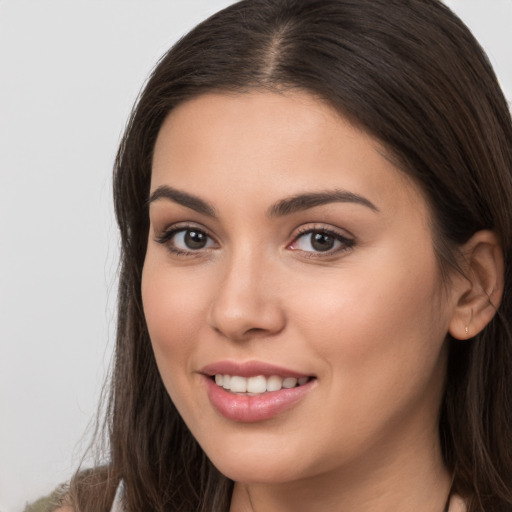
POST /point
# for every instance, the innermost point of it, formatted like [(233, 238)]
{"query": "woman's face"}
[(285, 251)]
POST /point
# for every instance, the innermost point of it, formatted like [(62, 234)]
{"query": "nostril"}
[(255, 330)]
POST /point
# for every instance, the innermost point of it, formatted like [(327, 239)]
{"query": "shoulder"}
[(90, 489), (457, 504)]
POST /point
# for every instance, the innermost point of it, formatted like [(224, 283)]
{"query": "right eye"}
[(186, 240)]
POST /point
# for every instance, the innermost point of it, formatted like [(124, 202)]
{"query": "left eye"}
[(190, 239), (320, 241)]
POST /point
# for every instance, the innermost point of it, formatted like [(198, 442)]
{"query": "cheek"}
[(173, 306), (378, 323), (380, 335)]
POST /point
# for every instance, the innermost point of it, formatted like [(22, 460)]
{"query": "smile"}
[(254, 391), (257, 385)]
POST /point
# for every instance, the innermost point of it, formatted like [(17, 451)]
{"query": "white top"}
[(117, 504)]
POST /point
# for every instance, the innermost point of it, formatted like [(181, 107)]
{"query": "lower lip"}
[(248, 409)]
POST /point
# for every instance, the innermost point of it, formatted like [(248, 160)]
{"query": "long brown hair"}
[(408, 72)]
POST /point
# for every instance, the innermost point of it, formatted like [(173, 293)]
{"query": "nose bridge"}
[(246, 303)]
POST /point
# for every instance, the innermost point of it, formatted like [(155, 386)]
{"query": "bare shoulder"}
[(457, 504)]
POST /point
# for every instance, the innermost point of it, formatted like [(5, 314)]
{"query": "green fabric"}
[(48, 503), (41, 505)]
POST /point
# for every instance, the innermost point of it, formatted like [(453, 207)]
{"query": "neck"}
[(379, 481)]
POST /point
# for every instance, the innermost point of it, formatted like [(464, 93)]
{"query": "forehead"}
[(265, 145)]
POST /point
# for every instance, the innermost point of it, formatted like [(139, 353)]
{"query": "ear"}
[(478, 293)]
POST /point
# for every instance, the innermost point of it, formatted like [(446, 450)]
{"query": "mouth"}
[(258, 384), (254, 391)]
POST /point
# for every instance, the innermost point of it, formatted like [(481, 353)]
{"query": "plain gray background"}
[(70, 71)]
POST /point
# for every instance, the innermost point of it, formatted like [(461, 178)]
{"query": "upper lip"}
[(250, 369)]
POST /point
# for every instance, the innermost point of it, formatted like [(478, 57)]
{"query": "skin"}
[(368, 319)]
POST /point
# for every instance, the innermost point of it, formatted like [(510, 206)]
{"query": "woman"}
[(314, 305)]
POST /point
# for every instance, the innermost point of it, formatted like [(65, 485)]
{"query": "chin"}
[(257, 473), (255, 464)]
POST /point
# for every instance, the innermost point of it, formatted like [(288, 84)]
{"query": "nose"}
[(247, 303)]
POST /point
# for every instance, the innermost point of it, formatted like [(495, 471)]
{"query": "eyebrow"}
[(188, 200), (287, 206), (303, 202)]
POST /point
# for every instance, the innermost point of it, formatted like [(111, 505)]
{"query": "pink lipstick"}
[(254, 391)]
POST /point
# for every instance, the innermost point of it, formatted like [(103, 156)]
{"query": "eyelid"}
[(165, 236), (343, 236), (345, 239)]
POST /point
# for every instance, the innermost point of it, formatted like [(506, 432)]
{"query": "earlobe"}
[(481, 289)]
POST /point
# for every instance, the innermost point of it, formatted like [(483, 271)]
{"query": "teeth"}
[(274, 383), (258, 384), (289, 382), (238, 384)]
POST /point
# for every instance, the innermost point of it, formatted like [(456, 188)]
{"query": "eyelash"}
[(166, 237), (345, 242)]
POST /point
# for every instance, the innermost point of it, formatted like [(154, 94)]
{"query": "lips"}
[(254, 391), (250, 369)]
